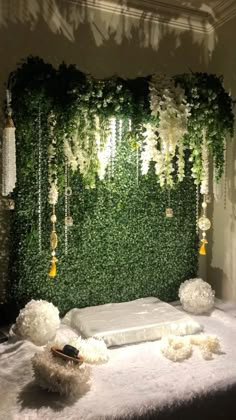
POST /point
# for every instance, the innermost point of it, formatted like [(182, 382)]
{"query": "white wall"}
[(221, 264), (100, 43)]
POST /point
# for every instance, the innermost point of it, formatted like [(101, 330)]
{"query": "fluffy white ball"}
[(196, 296), (92, 350), (38, 322), (56, 375)]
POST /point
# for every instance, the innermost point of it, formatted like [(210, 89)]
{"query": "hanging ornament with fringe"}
[(8, 151), (53, 193), (68, 217), (204, 223), (53, 244)]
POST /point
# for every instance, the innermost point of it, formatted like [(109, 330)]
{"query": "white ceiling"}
[(199, 15)]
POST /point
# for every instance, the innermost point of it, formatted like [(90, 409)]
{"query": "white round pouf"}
[(38, 322), (196, 296), (56, 375)]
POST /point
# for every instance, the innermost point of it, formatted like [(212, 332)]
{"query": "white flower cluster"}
[(151, 153), (178, 349), (96, 150), (169, 104), (52, 373), (196, 296), (105, 146), (38, 322), (93, 351), (175, 348), (77, 150)]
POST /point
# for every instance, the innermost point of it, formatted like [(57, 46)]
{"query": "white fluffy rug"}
[(137, 379)]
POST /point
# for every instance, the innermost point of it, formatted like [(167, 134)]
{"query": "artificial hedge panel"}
[(121, 246)]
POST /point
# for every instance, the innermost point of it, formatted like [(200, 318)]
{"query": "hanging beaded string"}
[(120, 131), (225, 174), (53, 192), (137, 164), (197, 207), (66, 209), (204, 223), (39, 180), (68, 218), (113, 144)]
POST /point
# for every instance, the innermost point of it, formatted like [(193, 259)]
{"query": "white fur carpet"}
[(137, 382)]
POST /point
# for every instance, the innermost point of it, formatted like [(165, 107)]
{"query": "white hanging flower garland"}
[(98, 148), (169, 104), (8, 152)]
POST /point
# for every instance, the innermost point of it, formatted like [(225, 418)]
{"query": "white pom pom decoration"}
[(196, 296), (38, 322), (92, 350)]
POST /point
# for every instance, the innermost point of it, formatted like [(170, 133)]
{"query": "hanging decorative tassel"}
[(204, 223), (202, 250), (8, 152), (53, 268), (53, 245)]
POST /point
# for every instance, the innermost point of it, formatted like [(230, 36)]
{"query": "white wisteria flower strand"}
[(168, 103)]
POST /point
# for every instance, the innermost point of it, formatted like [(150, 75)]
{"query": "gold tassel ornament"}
[(53, 268), (202, 250)]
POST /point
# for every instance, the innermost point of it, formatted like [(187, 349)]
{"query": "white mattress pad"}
[(143, 319)]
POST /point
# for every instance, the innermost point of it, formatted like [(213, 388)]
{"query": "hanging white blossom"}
[(180, 162), (169, 104), (149, 151), (103, 149)]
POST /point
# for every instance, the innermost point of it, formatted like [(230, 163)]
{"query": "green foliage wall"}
[(121, 245)]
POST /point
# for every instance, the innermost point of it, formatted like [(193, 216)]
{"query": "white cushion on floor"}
[(131, 322)]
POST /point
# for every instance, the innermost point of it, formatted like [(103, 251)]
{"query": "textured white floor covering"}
[(136, 380)]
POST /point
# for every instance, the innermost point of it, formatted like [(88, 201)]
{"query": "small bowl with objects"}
[(68, 353)]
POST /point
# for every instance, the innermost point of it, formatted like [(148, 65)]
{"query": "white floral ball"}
[(38, 322), (196, 296)]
